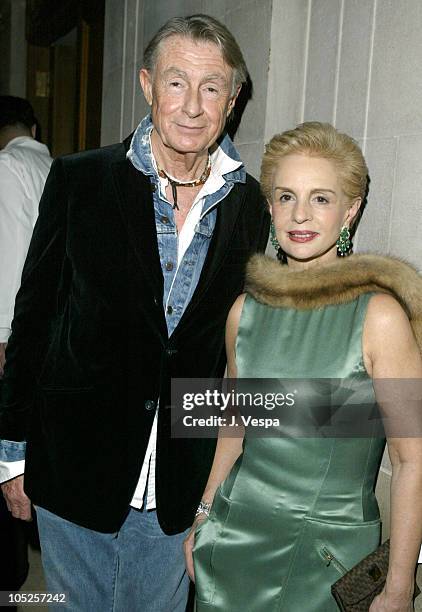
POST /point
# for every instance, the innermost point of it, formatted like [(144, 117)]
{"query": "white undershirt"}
[(24, 166)]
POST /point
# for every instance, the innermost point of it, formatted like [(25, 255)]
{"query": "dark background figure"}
[(14, 551), (24, 165)]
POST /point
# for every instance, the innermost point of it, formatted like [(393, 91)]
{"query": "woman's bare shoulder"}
[(390, 347), (384, 310)]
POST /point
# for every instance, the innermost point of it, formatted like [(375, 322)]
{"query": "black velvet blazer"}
[(89, 353)]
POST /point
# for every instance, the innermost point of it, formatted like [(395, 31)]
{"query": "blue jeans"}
[(139, 568)]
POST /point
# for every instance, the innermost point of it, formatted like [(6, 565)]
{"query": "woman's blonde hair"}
[(319, 140)]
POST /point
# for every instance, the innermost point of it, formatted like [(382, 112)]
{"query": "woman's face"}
[(309, 208)]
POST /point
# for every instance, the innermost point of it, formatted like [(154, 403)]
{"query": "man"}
[(24, 165), (137, 256)]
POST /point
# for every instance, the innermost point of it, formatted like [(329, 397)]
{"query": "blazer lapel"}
[(137, 209)]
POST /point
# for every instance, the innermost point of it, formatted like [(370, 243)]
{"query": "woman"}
[(291, 514)]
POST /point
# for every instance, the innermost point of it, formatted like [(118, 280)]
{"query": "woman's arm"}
[(393, 359), (228, 448)]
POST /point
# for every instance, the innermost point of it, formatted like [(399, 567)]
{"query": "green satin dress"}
[(294, 512)]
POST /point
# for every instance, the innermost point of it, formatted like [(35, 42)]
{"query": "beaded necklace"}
[(175, 183)]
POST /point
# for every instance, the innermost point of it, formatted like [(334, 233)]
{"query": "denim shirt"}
[(181, 274)]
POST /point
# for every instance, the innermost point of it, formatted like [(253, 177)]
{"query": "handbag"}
[(355, 591)]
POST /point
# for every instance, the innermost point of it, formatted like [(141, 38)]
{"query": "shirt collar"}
[(27, 142), (225, 160)]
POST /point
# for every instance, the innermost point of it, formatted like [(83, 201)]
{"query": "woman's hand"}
[(396, 602), (188, 545)]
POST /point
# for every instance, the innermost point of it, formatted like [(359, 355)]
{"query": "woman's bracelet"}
[(203, 508)]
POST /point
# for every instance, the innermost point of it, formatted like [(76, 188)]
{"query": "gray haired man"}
[(137, 256)]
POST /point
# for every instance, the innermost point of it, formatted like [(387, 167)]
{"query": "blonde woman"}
[(289, 515)]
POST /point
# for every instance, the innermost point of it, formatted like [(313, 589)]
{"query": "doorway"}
[(64, 71)]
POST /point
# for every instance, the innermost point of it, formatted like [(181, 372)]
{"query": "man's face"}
[(190, 93)]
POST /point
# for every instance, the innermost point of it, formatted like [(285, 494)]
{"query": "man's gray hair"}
[(200, 28)]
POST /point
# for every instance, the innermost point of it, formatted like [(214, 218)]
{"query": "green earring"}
[(273, 237), (344, 244), (281, 255)]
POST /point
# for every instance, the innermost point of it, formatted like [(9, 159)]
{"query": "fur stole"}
[(336, 283)]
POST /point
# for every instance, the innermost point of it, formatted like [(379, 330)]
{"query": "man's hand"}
[(17, 502), (2, 356), (189, 543)]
